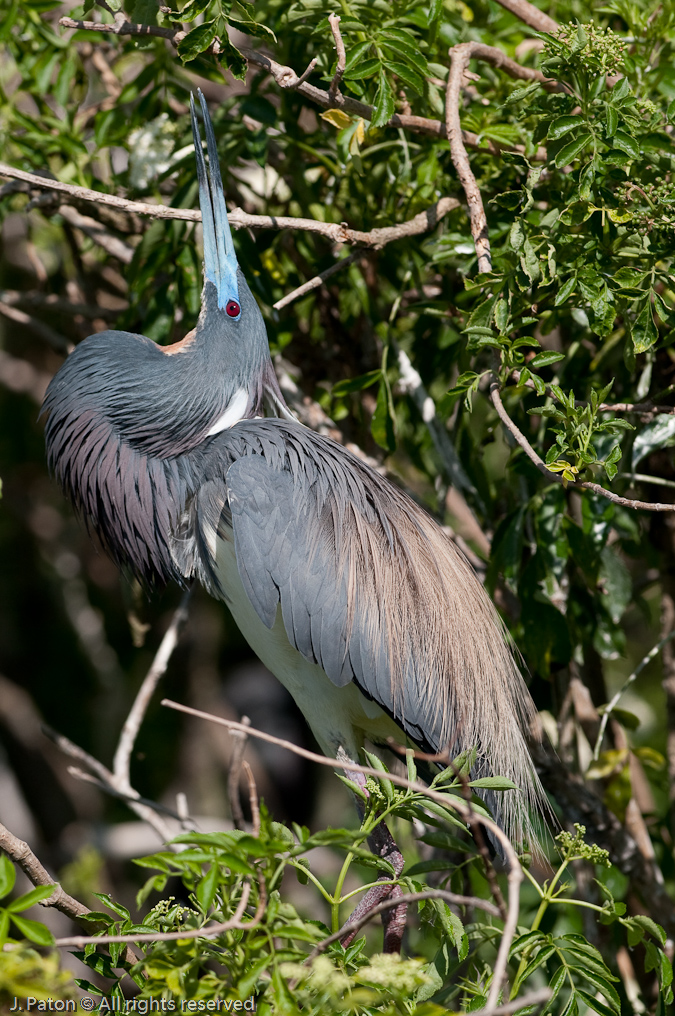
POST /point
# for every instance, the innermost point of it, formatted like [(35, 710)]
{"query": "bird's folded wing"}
[(286, 555)]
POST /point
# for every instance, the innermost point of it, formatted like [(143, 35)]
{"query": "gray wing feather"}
[(281, 559)]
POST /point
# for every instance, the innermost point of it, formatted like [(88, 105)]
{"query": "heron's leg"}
[(382, 843)]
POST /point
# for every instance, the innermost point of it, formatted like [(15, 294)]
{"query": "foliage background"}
[(582, 237)]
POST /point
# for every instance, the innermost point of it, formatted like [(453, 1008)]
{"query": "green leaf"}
[(382, 423), (196, 41), (565, 291), (569, 153), (654, 929), (206, 889), (7, 876), (493, 783), (612, 121), (563, 125), (364, 69), (546, 358), (384, 106), (407, 76), (658, 433), (620, 91), (191, 11), (29, 899), (356, 384), (232, 58), (626, 144), (594, 1005), (33, 930), (643, 332)]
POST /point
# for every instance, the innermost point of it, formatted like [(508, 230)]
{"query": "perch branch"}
[(626, 502), (132, 724), (515, 873), (339, 232)]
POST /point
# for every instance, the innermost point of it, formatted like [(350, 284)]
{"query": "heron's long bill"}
[(220, 261)]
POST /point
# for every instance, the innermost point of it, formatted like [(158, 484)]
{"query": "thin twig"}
[(252, 799), (626, 502), (334, 22), (515, 873), (353, 925), (314, 283), (607, 712), (132, 724), (52, 302), (145, 811), (19, 851), (211, 931), (238, 748), (339, 232)]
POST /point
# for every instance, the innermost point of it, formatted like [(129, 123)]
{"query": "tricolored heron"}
[(344, 587)]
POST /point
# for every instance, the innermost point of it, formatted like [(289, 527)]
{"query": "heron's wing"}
[(286, 555), (369, 588)]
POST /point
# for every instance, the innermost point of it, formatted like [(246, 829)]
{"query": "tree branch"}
[(626, 502), (334, 22), (531, 15), (339, 232), (49, 335), (132, 724)]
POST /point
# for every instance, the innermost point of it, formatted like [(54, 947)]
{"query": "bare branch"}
[(613, 702), (339, 232), (334, 22), (355, 924), (50, 301), (253, 799), (233, 775), (20, 376), (145, 810), (515, 873), (531, 15), (132, 724), (314, 283), (626, 502)]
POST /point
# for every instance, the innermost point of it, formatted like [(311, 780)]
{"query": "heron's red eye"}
[(232, 308)]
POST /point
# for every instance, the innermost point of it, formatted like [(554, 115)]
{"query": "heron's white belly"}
[(336, 715)]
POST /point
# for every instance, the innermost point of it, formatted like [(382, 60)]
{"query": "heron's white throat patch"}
[(236, 408)]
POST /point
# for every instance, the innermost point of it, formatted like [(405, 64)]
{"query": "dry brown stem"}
[(234, 773), (334, 22)]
